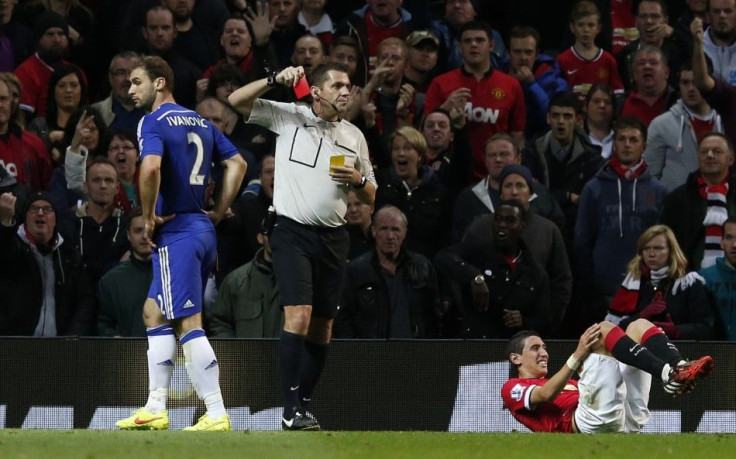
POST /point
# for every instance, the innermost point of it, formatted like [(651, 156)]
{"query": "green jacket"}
[(122, 292), (248, 303)]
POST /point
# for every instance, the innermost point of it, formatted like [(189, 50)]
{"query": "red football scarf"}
[(627, 172), (715, 215)]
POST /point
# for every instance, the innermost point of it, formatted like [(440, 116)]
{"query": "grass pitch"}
[(91, 444)]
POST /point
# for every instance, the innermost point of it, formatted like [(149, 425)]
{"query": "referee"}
[(310, 242)]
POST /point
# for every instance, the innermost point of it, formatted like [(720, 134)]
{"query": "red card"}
[(302, 87)]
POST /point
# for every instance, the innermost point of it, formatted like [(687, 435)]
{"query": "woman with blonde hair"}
[(416, 190), (659, 288)]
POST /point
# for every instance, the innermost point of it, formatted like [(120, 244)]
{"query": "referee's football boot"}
[(143, 420), (207, 424), (683, 377), (300, 421)]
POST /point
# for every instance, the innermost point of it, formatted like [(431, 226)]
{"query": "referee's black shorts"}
[(309, 264)]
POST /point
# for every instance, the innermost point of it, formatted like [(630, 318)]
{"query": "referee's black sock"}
[(313, 361), (290, 363), (628, 351)]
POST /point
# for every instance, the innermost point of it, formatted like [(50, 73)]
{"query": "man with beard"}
[(197, 44), (178, 148), (118, 110), (504, 288), (51, 34), (309, 240), (122, 291), (389, 292)]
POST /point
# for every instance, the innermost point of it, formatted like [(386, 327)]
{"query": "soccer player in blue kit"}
[(177, 150)]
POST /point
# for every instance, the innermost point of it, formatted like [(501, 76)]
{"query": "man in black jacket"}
[(696, 210), (43, 283), (504, 288), (389, 292)]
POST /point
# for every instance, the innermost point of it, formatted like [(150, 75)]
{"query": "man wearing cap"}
[(541, 236), (504, 288), (51, 35), (538, 74), (43, 283), (422, 59), (482, 198)]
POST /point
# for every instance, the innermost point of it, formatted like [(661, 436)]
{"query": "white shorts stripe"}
[(167, 307)]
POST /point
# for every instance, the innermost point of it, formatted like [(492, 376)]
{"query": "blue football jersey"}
[(188, 145)]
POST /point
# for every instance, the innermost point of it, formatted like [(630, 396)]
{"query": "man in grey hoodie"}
[(719, 40), (672, 149)]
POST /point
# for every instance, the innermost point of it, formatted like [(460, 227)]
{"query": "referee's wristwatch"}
[(361, 185), (271, 80), (479, 279)]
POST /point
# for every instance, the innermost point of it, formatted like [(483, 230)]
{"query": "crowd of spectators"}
[(527, 177)]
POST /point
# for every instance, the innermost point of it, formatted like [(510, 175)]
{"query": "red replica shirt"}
[(635, 106), (623, 24), (244, 65), (554, 416), (375, 34), (581, 74), (34, 76), (24, 156), (496, 105)]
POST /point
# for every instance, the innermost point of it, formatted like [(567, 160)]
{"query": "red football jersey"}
[(623, 24), (554, 416), (581, 73), (496, 105)]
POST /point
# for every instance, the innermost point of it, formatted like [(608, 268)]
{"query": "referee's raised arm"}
[(242, 98)]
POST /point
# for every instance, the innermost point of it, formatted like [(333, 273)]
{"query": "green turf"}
[(90, 444)]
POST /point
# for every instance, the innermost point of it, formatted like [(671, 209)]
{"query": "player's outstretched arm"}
[(557, 382), (234, 171)]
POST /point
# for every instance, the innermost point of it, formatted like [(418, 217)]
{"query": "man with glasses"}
[(43, 284), (118, 110), (651, 22)]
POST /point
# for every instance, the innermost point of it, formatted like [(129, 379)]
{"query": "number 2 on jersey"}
[(195, 178)]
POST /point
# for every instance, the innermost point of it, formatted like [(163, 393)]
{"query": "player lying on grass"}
[(615, 370)]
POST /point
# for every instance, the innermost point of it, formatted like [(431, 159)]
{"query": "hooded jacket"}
[(22, 293), (612, 213), (672, 149), (723, 58), (548, 81)]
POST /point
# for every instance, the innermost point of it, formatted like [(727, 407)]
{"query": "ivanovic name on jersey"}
[(178, 120)]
